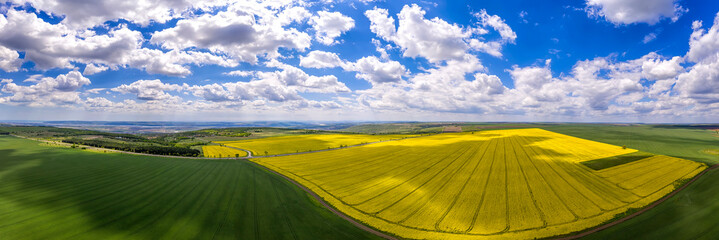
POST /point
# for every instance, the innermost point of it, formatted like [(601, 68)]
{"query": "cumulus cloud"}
[(84, 14), (148, 89), (240, 73), (282, 85), (330, 25), (656, 68), (9, 60), (174, 62), (498, 24), (435, 39), (376, 71), (444, 89), (369, 68), (634, 11), (704, 44), (320, 59), (294, 77), (239, 34), (594, 87), (701, 82), (47, 91), (56, 46), (91, 69)]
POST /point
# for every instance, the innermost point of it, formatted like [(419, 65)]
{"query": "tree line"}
[(148, 149)]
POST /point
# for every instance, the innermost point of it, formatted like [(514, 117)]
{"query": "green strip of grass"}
[(602, 163)]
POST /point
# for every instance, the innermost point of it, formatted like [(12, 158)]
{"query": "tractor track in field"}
[(643, 210)]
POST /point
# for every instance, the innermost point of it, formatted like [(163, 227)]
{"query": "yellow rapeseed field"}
[(213, 151), (500, 184), (305, 143)]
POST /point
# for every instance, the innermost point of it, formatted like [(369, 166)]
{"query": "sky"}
[(367, 60)]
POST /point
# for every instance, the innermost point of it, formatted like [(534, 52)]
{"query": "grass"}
[(602, 163), (61, 193), (686, 143), (504, 184)]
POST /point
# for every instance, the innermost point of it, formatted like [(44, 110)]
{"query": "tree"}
[(266, 153)]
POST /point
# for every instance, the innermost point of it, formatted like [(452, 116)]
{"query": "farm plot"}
[(221, 152), (62, 193), (306, 143), (501, 184)]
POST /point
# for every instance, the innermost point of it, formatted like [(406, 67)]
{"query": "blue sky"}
[(578, 61)]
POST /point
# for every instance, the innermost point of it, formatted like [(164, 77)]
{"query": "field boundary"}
[(643, 210), (326, 205)]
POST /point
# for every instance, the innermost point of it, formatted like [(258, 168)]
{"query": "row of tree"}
[(148, 149)]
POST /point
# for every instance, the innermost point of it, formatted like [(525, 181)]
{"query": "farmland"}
[(64, 193), (214, 151), (524, 183), (305, 143)]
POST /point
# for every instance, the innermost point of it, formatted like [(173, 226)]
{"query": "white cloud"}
[(369, 68), (174, 62), (704, 44), (55, 46), (497, 23), (239, 34), (294, 77), (330, 25), (277, 86), (91, 69), (436, 39), (376, 71), (320, 59), (701, 82), (655, 68), (381, 23), (148, 89), (382, 50), (443, 89), (9, 60), (621, 12), (293, 15), (649, 37), (240, 73), (84, 14), (61, 90)]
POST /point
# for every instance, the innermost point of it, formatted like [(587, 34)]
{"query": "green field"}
[(62, 193), (676, 142)]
